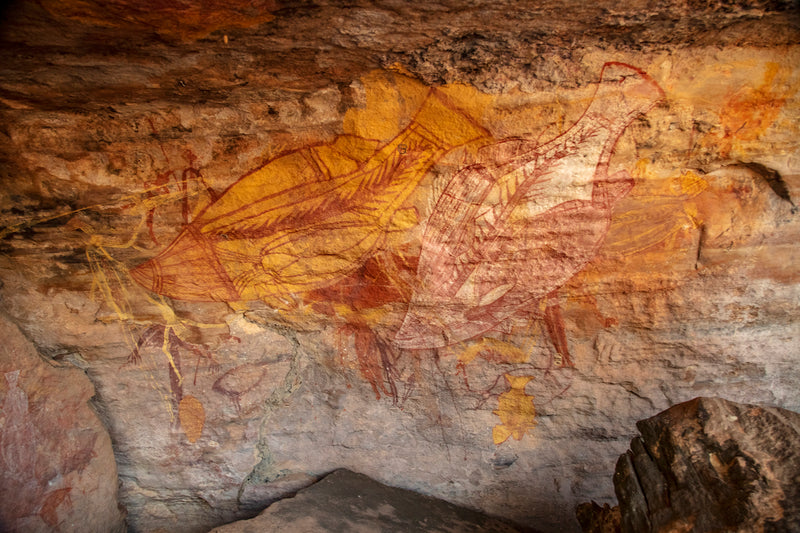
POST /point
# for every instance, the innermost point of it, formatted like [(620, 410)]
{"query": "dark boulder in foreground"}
[(708, 465)]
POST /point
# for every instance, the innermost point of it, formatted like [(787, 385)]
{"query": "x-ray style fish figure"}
[(307, 218), (511, 229)]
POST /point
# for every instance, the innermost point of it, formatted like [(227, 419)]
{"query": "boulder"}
[(596, 519), (712, 465), (57, 469), (348, 501)]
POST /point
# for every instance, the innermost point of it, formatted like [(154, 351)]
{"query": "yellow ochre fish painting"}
[(307, 218)]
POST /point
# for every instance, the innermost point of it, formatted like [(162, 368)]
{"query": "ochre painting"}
[(518, 224), (308, 218), (335, 229)]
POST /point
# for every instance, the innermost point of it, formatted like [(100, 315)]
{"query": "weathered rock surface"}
[(596, 519), (712, 465), (57, 469), (347, 501), (116, 134)]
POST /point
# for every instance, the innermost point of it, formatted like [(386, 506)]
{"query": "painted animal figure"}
[(509, 231), (308, 218)]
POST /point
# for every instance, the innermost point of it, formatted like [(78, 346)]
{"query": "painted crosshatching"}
[(314, 227)]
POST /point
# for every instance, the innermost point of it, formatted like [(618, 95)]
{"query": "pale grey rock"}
[(348, 501)]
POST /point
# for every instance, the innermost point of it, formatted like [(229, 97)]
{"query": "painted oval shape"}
[(192, 417)]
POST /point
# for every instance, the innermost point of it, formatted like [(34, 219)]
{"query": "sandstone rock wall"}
[(442, 283), (57, 467)]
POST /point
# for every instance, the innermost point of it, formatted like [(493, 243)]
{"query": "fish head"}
[(625, 91), (187, 270)]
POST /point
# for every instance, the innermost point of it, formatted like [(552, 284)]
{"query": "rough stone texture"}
[(347, 501), (57, 469), (712, 465), (117, 134), (596, 519)]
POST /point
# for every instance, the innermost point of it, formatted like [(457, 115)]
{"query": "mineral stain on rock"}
[(197, 19)]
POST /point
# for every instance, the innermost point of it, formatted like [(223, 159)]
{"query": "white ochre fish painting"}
[(513, 228)]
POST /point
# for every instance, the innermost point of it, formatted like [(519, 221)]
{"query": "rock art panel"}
[(613, 306), (505, 234)]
